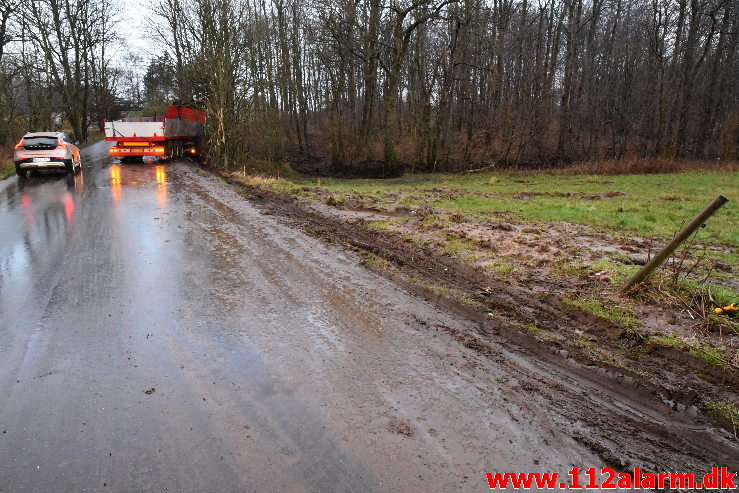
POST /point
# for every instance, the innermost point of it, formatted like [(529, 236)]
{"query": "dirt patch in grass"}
[(587, 196)]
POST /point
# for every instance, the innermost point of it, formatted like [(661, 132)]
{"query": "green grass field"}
[(651, 205)]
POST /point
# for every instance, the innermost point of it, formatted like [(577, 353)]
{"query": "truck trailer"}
[(175, 134)]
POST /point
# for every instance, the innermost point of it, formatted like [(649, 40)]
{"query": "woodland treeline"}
[(444, 84), (55, 65)]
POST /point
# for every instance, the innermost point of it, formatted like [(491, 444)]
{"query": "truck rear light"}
[(159, 150)]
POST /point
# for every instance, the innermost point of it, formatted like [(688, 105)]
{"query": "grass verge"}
[(6, 171), (707, 354), (611, 311), (7, 167)]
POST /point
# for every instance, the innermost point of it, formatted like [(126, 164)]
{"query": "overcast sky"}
[(132, 27)]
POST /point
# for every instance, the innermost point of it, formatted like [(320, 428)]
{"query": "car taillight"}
[(19, 144), (61, 145)]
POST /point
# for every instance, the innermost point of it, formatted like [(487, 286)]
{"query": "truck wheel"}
[(163, 157)]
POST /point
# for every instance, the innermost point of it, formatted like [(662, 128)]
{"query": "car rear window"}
[(40, 141)]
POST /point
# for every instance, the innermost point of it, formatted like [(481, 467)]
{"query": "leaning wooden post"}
[(684, 234)]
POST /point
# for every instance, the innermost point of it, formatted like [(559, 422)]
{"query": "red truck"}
[(177, 133)]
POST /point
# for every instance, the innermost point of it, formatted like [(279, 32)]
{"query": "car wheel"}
[(20, 172)]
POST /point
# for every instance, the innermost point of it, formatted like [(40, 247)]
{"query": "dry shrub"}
[(260, 180), (633, 166), (94, 133), (6, 158)]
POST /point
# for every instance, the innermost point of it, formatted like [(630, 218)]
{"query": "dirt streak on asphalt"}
[(159, 332)]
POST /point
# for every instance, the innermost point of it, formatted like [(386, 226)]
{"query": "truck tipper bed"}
[(177, 133)]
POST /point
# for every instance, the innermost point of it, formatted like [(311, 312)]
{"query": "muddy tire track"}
[(646, 413)]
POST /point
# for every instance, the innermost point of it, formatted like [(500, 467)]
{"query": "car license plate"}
[(41, 159)]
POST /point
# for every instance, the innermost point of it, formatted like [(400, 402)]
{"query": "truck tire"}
[(164, 156)]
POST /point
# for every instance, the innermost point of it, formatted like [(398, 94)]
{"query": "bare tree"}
[(71, 35), (453, 84)]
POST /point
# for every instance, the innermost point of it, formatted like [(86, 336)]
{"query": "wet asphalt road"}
[(160, 333)]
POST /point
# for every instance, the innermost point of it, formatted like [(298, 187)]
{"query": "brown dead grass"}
[(637, 166), (6, 163)]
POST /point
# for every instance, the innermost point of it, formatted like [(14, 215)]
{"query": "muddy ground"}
[(639, 377), (576, 260)]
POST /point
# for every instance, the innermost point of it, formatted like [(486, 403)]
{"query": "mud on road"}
[(160, 332), (631, 413)]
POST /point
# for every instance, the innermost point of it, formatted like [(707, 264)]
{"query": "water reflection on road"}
[(161, 179), (45, 197), (115, 182), (36, 214), (45, 218), (138, 176)]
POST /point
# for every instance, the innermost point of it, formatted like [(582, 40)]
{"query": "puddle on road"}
[(139, 176), (37, 214)]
